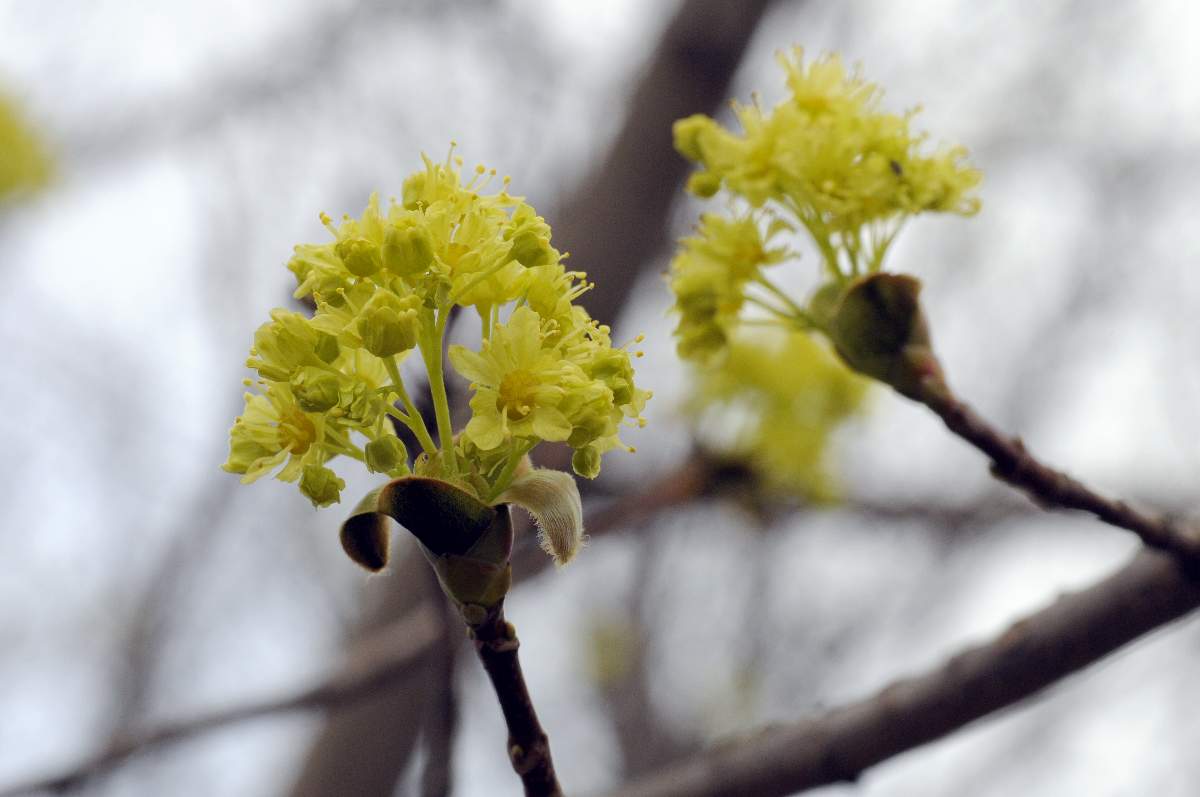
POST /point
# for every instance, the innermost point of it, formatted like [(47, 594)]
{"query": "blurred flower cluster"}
[(829, 164), (772, 406), (386, 286), (826, 161), (24, 164)]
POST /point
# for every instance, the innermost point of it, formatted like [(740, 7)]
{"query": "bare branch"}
[(528, 746), (372, 666), (1053, 489), (1035, 652)]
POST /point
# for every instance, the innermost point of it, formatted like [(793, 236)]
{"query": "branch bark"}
[(1053, 489), (1035, 652), (528, 746)]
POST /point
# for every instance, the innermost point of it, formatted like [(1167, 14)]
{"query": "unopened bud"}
[(360, 256), (388, 325), (386, 455), (321, 485), (586, 462), (407, 249), (315, 389), (880, 331)]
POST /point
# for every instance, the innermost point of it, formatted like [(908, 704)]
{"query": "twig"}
[(1051, 488), (371, 666), (528, 746), (1035, 652)]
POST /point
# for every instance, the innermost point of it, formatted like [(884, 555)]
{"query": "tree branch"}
[(372, 666), (1035, 652), (528, 746), (1053, 489)]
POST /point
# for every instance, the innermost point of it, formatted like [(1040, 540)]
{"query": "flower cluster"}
[(773, 404), (385, 286), (24, 165), (826, 161)]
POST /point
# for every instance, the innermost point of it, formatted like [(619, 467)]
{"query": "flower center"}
[(296, 431), (516, 394)]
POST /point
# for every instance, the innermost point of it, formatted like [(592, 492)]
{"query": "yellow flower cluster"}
[(24, 165), (772, 404), (386, 286), (826, 160)]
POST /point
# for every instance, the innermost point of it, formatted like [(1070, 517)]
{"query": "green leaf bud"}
[(315, 389), (321, 485), (386, 455), (360, 256), (879, 329)]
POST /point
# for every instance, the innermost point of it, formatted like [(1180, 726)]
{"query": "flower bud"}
[(315, 389), (703, 184), (386, 455), (360, 256), (388, 325), (327, 347), (360, 404), (586, 462), (321, 485), (530, 249), (407, 249), (687, 133)]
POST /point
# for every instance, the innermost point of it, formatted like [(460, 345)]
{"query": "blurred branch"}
[(1053, 489), (1035, 652), (646, 742), (370, 667), (616, 219), (297, 58), (440, 723)]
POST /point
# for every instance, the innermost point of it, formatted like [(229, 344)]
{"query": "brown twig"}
[(371, 666), (528, 746), (1051, 488), (1074, 632)]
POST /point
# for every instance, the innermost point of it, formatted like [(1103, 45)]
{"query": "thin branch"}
[(371, 666), (528, 746), (1053, 489), (1035, 652)]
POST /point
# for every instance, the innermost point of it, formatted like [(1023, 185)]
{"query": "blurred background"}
[(194, 143)]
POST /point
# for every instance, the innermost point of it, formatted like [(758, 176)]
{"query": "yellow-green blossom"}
[(518, 384), (386, 286), (24, 164), (826, 160), (773, 404)]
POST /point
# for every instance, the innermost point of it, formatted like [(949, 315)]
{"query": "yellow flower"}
[(274, 430), (518, 384), (827, 155), (827, 161), (387, 285)]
